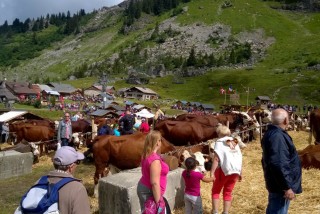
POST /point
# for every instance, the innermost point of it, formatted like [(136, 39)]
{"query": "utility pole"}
[(247, 90), (103, 82)]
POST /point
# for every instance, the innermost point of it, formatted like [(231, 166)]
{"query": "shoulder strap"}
[(62, 182)]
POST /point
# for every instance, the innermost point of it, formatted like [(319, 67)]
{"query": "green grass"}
[(296, 44)]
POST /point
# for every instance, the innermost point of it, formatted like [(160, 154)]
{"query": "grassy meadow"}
[(282, 75)]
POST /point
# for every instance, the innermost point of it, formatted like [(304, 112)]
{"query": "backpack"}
[(42, 197)]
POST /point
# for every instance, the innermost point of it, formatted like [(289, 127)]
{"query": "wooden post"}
[(260, 122)]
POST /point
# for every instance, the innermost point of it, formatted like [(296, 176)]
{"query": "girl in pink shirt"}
[(192, 197), (154, 172)]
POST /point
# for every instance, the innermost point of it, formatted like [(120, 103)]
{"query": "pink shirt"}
[(144, 127), (192, 183), (145, 168)]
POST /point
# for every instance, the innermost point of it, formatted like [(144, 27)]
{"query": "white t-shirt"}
[(230, 159)]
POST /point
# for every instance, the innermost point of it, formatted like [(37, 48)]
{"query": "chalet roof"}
[(208, 106), (62, 88), (129, 103), (183, 102), (122, 89), (116, 107), (100, 112), (52, 92), (21, 88), (195, 103), (36, 88), (264, 98), (4, 92), (143, 90), (44, 87), (99, 87), (5, 117), (107, 95)]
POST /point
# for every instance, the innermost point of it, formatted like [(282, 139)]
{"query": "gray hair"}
[(278, 117)]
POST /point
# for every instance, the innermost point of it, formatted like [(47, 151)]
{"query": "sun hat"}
[(67, 155)]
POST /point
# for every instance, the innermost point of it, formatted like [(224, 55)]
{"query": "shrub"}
[(37, 103)]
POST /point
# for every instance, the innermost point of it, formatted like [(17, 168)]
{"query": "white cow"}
[(198, 156)]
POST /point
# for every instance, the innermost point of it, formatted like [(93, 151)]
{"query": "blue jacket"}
[(280, 161)]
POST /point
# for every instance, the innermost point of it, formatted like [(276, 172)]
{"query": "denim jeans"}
[(277, 204)]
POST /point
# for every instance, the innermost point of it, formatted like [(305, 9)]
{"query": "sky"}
[(23, 9)]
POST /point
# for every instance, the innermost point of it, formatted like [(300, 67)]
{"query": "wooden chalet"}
[(262, 102), (102, 113), (94, 90), (5, 94), (45, 91), (22, 90), (263, 99), (207, 107), (141, 93), (115, 108), (63, 89)]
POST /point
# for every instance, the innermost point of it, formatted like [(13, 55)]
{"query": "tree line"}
[(154, 7), (25, 40)]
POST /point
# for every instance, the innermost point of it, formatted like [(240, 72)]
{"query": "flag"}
[(222, 91), (230, 89)]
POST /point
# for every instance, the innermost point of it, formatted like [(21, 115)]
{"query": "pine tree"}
[(192, 61)]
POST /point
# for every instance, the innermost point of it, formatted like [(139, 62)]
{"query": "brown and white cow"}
[(33, 133), (310, 157)]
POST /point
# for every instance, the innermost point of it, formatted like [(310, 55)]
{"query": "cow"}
[(77, 140), (315, 126), (34, 133), (45, 122), (186, 132), (196, 129), (310, 157), (81, 125), (123, 152), (198, 156)]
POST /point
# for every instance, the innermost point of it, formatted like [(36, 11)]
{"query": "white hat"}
[(66, 155)]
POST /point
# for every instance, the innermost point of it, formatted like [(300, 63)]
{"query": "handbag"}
[(151, 207)]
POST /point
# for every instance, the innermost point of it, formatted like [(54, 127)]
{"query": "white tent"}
[(144, 113)]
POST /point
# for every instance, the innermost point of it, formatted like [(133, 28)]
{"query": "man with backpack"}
[(59, 190), (127, 122)]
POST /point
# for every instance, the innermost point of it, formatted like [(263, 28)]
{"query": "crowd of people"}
[(280, 163)]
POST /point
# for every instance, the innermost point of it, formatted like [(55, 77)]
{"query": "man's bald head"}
[(279, 116)]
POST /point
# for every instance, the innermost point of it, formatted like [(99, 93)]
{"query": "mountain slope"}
[(287, 72)]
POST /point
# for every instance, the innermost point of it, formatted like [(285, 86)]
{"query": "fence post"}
[(260, 122)]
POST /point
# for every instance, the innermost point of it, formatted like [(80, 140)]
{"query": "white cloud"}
[(22, 9)]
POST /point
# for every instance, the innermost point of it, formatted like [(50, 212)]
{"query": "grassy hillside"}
[(283, 74)]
